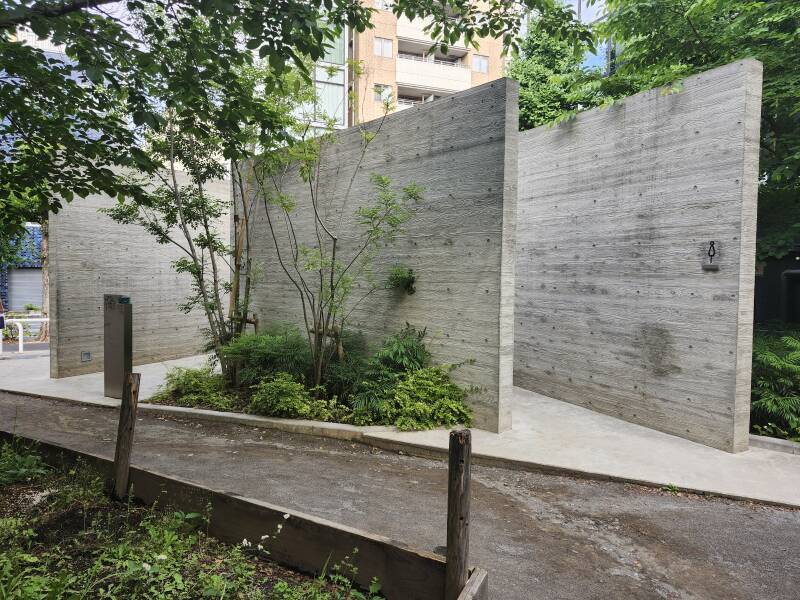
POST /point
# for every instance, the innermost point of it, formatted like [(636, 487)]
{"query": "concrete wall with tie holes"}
[(463, 151), (619, 308), (91, 255)]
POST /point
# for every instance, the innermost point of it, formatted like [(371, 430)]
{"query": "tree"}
[(542, 67), (175, 206), (661, 42), (323, 270), (70, 126)]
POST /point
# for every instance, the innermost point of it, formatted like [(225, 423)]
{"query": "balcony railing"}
[(431, 76), (434, 61)]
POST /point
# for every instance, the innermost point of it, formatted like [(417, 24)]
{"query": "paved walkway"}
[(31, 375), (546, 433), (539, 536)]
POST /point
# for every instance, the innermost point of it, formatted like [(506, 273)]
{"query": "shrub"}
[(775, 406), (283, 396), (401, 278), (428, 398), (195, 388), (343, 376), (18, 464), (372, 399), (282, 348), (405, 350)]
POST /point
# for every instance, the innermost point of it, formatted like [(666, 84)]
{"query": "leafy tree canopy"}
[(542, 68), (71, 125), (661, 42)]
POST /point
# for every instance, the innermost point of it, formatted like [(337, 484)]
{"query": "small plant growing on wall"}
[(401, 278)]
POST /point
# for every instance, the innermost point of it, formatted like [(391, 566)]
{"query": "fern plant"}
[(776, 384)]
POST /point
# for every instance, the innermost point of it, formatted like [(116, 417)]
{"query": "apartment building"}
[(397, 64)]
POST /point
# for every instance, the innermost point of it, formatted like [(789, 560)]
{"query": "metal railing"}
[(407, 102), (434, 61), (19, 323)]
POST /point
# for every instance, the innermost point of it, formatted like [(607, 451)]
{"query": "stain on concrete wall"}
[(91, 255), (463, 151), (617, 208)]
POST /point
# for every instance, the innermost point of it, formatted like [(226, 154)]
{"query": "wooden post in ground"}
[(458, 495), (127, 422)]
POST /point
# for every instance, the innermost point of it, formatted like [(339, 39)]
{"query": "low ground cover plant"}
[(397, 385), (775, 405), (62, 537)]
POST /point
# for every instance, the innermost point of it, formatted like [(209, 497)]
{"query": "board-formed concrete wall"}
[(617, 207), (462, 151), (91, 255)]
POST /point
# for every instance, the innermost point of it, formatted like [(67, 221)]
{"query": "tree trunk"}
[(44, 332)]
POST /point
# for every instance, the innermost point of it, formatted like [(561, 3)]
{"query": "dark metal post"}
[(127, 422), (458, 496), (117, 343)]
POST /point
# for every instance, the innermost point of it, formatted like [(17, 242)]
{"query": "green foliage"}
[(428, 398), (405, 350), (71, 126), (77, 543), (341, 575), (281, 349), (775, 405), (19, 464), (544, 68), (283, 396), (195, 388), (373, 397), (401, 278), (661, 42)]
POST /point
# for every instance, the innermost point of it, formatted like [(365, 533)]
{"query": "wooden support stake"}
[(458, 495), (127, 422)]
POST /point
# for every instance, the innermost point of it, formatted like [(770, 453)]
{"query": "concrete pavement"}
[(547, 434), (540, 536)]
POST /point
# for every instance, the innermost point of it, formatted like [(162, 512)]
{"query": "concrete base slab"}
[(561, 436)]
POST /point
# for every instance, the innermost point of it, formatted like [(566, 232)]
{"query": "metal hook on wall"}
[(712, 252)]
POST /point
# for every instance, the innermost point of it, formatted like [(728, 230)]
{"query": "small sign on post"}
[(458, 497), (127, 422)]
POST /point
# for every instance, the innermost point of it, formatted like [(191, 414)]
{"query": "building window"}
[(334, 51), (331, 94), (382, 47), (480, 63), (382, 93), (384, 4)]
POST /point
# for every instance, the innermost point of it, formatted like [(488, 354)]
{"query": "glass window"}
[(329, 74), (334, 53), (330, 101), (382, 47), (480, 63), (382, 93)]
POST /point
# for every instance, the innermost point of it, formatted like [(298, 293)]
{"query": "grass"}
[(62, 537)]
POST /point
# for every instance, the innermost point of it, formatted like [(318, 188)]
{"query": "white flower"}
[(285, 516), (245, 543), (260, 547), (264, 537), (280, 526), (161, 557), (146, 566)]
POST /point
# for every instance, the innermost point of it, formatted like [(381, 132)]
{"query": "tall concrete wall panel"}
[(617, 208), (462, 151), (91, 255)]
